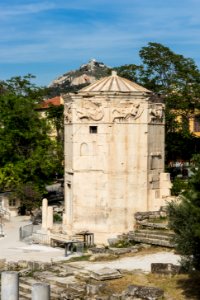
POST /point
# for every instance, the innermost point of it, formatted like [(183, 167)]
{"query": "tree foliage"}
[(27, 154), (55, 116), (177, 80), (131, 72), (184, 220)]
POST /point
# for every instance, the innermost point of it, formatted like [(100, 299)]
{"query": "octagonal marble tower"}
[(114, 157)]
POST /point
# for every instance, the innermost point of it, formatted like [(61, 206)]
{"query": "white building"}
[(8, 206), (114, 157)]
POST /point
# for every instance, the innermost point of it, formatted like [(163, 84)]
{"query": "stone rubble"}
[(142, 292), (165, 268), (105, 274), (70, 281)]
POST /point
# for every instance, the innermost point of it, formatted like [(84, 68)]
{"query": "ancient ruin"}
[(114, 157)]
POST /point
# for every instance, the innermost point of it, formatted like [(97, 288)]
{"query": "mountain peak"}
[(92, 65), (76, 79)]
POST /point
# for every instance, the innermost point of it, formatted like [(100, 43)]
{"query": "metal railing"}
[(1, 230), (27, 231), (41, 238), (4, 213)]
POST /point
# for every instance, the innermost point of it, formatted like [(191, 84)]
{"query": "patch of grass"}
[(78, 258), (159, 220), (106, 257), (57, 218), (178, 287), (124, 244)]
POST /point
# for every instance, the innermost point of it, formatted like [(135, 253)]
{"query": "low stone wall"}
[(148, 215), (142, 292), (115, 250), (165, 268), (23, 265)]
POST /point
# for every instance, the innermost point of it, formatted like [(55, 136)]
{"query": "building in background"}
[(43, 108)]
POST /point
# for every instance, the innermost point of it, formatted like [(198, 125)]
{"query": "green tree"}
[(29, 195), (27, 154), (131, 72), (184, 220), (177, 80), (55, 116)]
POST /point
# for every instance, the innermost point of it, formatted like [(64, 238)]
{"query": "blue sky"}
[(50, 37)]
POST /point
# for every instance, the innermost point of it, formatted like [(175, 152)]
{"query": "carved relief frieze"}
[(156, 113), (126, 111), (68, 113), (90, 111)]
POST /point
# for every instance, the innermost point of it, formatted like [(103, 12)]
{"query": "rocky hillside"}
[(72, 81)]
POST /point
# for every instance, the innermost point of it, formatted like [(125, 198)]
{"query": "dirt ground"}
[(12, 249)]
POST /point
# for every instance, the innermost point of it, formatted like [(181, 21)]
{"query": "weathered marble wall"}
[(114, 155)]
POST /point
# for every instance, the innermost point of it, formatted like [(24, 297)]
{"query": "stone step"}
[(154, 232), (152, 236), (27, 281), (153, 241), (25, 288), (63, 270), (153, 225), (24, 296), (28, 296), (59, 282)]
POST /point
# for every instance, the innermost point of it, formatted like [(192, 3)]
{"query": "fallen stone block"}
[(37, 265), (24, 272), (105, 274), (77, 288), (95, 289), (165, 268), (142, 292), (68, 270), (82, 274)]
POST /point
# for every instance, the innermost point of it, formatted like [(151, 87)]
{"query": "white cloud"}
[(34, 7), (7, 11), (65, 30)]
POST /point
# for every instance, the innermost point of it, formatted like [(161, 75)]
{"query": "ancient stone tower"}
[(114, 157)]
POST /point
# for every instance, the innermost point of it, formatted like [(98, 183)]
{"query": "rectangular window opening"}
[(197, 124), (93, 129), (12, 202)]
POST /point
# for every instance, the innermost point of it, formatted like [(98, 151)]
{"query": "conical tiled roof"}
[(114, 83)]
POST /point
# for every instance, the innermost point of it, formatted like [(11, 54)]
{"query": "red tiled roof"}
[(53, 101)]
